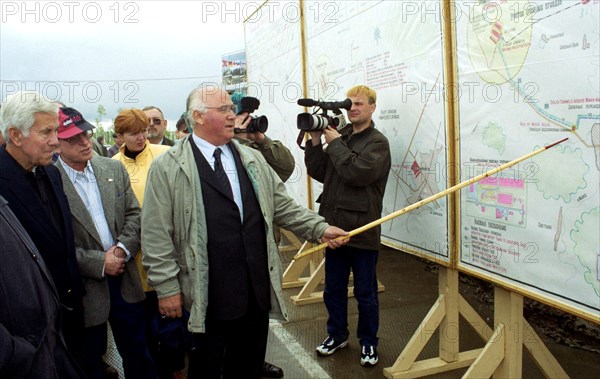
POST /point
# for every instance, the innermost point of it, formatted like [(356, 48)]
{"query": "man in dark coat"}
[(353, 168), (34, 192), (31, 342)]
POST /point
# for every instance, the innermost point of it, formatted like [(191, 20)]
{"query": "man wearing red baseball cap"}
[(71, 123), (106, 225)]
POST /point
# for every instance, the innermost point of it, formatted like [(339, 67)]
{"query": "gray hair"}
[(150, 107), (19, 111), (195, 102)]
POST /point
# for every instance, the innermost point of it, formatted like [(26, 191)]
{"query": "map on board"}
[(529, 75), (387, 46), (275, 78)]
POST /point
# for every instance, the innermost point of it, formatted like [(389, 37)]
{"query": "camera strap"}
[(300, 139)]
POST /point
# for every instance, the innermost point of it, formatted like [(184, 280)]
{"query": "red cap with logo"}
[(71, 123)]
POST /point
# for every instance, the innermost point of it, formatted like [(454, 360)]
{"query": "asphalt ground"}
[(411, 288)]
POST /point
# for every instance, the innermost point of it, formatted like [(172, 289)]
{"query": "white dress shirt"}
[(207, 149), (87, 187)]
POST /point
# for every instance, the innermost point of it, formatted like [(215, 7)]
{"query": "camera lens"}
[(307, 121), (258, 124)]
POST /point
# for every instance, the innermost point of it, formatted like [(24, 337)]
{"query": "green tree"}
[(101, 113)]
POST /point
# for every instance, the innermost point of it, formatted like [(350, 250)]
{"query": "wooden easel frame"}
[(295, 242), (501, 357)]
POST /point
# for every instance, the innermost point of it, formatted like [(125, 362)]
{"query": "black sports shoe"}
[(368, 356), (331, 345)]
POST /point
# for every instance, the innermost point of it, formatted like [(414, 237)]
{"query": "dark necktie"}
[(220, 173)]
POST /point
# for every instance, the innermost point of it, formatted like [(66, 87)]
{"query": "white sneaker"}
[(330, 346), (368, 356)]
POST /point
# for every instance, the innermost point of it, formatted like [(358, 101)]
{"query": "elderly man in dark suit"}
[(209, 209), (106, 224), (35, 194), (31, 343)]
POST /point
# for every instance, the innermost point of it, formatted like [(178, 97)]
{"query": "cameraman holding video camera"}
[(353, 168), (250, 131)]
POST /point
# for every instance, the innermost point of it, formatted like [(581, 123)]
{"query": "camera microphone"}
[(248, 104), (307, 102), (331, 105)]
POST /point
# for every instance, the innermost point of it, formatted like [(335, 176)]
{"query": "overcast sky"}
[(118, 54)]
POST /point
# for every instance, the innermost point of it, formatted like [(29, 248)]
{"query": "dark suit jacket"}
[(31, 345), (167, 142), (122, 213), (58, 253), (238, 258)]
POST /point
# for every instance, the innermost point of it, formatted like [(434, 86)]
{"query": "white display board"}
[(529, 76), (275, 77), (394, 47)]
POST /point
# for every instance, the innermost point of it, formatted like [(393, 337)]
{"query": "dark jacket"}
[(58, 252), (237, 259), (276, 154), (31, 344), (354, 171), (167, 142)]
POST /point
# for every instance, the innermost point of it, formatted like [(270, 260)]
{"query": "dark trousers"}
[(363, 263), (231, 349), (166, 359), (72, 326), (129, 330)]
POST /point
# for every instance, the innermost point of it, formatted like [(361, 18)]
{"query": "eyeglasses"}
[(224, 108), (87, 135), (155, 121)]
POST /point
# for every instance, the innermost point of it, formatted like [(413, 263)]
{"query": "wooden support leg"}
[(490, 357), (291, 276), (307, 294), (445, 315), (508, 310), (289, 241), (449, 341), (502, 356), (419, 339), (472, 317)]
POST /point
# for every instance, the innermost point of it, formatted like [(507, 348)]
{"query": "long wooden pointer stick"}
[(430, 198)]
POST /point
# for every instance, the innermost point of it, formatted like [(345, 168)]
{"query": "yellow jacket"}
[(138, 174)]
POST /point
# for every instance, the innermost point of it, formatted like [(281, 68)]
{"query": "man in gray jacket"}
[(208, 243), (106, 225)]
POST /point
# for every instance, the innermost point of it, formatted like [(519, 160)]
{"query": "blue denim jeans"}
[(363, 264)]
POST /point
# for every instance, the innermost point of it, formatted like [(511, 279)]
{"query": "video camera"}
[(313, 121), (307, 122), (248, 105)]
